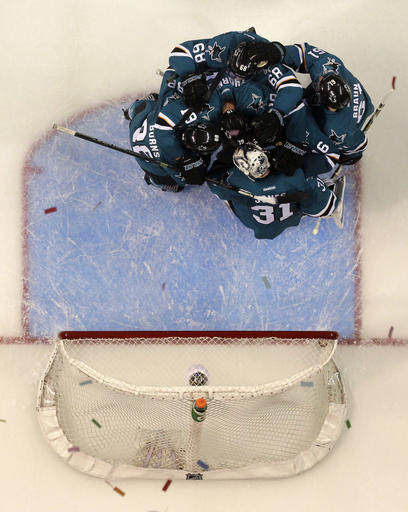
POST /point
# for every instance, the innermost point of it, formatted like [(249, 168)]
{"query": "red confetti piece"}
[(390, 331), (166, 485), (163, 286), (73, 449), (50, 210)]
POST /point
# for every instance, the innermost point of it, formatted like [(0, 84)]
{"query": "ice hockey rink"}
[(76, 64)]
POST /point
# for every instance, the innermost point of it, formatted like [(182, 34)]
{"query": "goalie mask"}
[(333, 91), (202, 137), (252, 161)]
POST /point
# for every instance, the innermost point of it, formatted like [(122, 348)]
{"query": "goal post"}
[(189, 404)]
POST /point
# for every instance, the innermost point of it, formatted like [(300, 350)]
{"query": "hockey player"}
[(158, 130), (252, 53), (339, 102), (245, 55), (280, 201), (299, 139)]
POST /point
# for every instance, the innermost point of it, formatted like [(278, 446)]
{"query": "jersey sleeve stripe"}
[(331, 162), (161, 127), (287, 81), (328, 209), (302, 57), (283, 86), (296, 109), (163, 120), (358, 149), (180, 51), (333, 156)]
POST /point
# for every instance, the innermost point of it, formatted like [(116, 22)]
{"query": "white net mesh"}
[(129, 401)]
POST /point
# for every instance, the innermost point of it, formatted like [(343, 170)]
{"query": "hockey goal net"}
[(121, 404)]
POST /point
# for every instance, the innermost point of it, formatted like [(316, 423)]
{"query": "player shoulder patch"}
[(337, 139), (331, 66), (257, 103), (216, 51)]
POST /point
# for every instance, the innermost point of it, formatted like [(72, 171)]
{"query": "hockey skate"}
[(164, 187)]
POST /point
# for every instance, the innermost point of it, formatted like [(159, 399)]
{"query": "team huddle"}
[(231, 112)]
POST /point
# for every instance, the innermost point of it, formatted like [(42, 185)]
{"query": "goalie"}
[(280, 200)]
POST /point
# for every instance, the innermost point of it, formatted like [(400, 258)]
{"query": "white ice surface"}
[(59, 58)]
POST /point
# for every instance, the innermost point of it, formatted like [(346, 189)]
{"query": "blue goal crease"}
[(115, 254)]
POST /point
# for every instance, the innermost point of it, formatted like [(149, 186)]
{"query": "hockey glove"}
[(287, 158), (349, 160), (266, 54), (233, 127), (195, 92), (267, 128), (192, 169)]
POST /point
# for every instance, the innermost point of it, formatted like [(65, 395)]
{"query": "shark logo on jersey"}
[(331, 66), (337, 139), (206, 116), (174, 96), (256, 104), (216, 51)]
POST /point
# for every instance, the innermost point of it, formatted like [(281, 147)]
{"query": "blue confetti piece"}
[(203, 464), (306, 383), (85, 382)]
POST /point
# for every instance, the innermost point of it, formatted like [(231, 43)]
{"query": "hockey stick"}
[(295, 197), (365, 129), (112, 146), (265, 199)]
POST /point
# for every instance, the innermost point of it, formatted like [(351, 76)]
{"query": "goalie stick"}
[(365, 129)]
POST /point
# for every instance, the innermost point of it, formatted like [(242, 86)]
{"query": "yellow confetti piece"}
[(116, 489), (3, 421)]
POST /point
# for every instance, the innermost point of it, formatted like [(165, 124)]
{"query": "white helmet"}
[(251, 160)]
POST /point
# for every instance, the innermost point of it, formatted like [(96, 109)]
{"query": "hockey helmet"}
[(202, 137), (334, 91), (240, 63), (251, 160), (233, 127)]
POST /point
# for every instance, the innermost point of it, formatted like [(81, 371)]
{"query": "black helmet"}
[(334, 91), (233, 127), (240, 63), (202, 137)]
